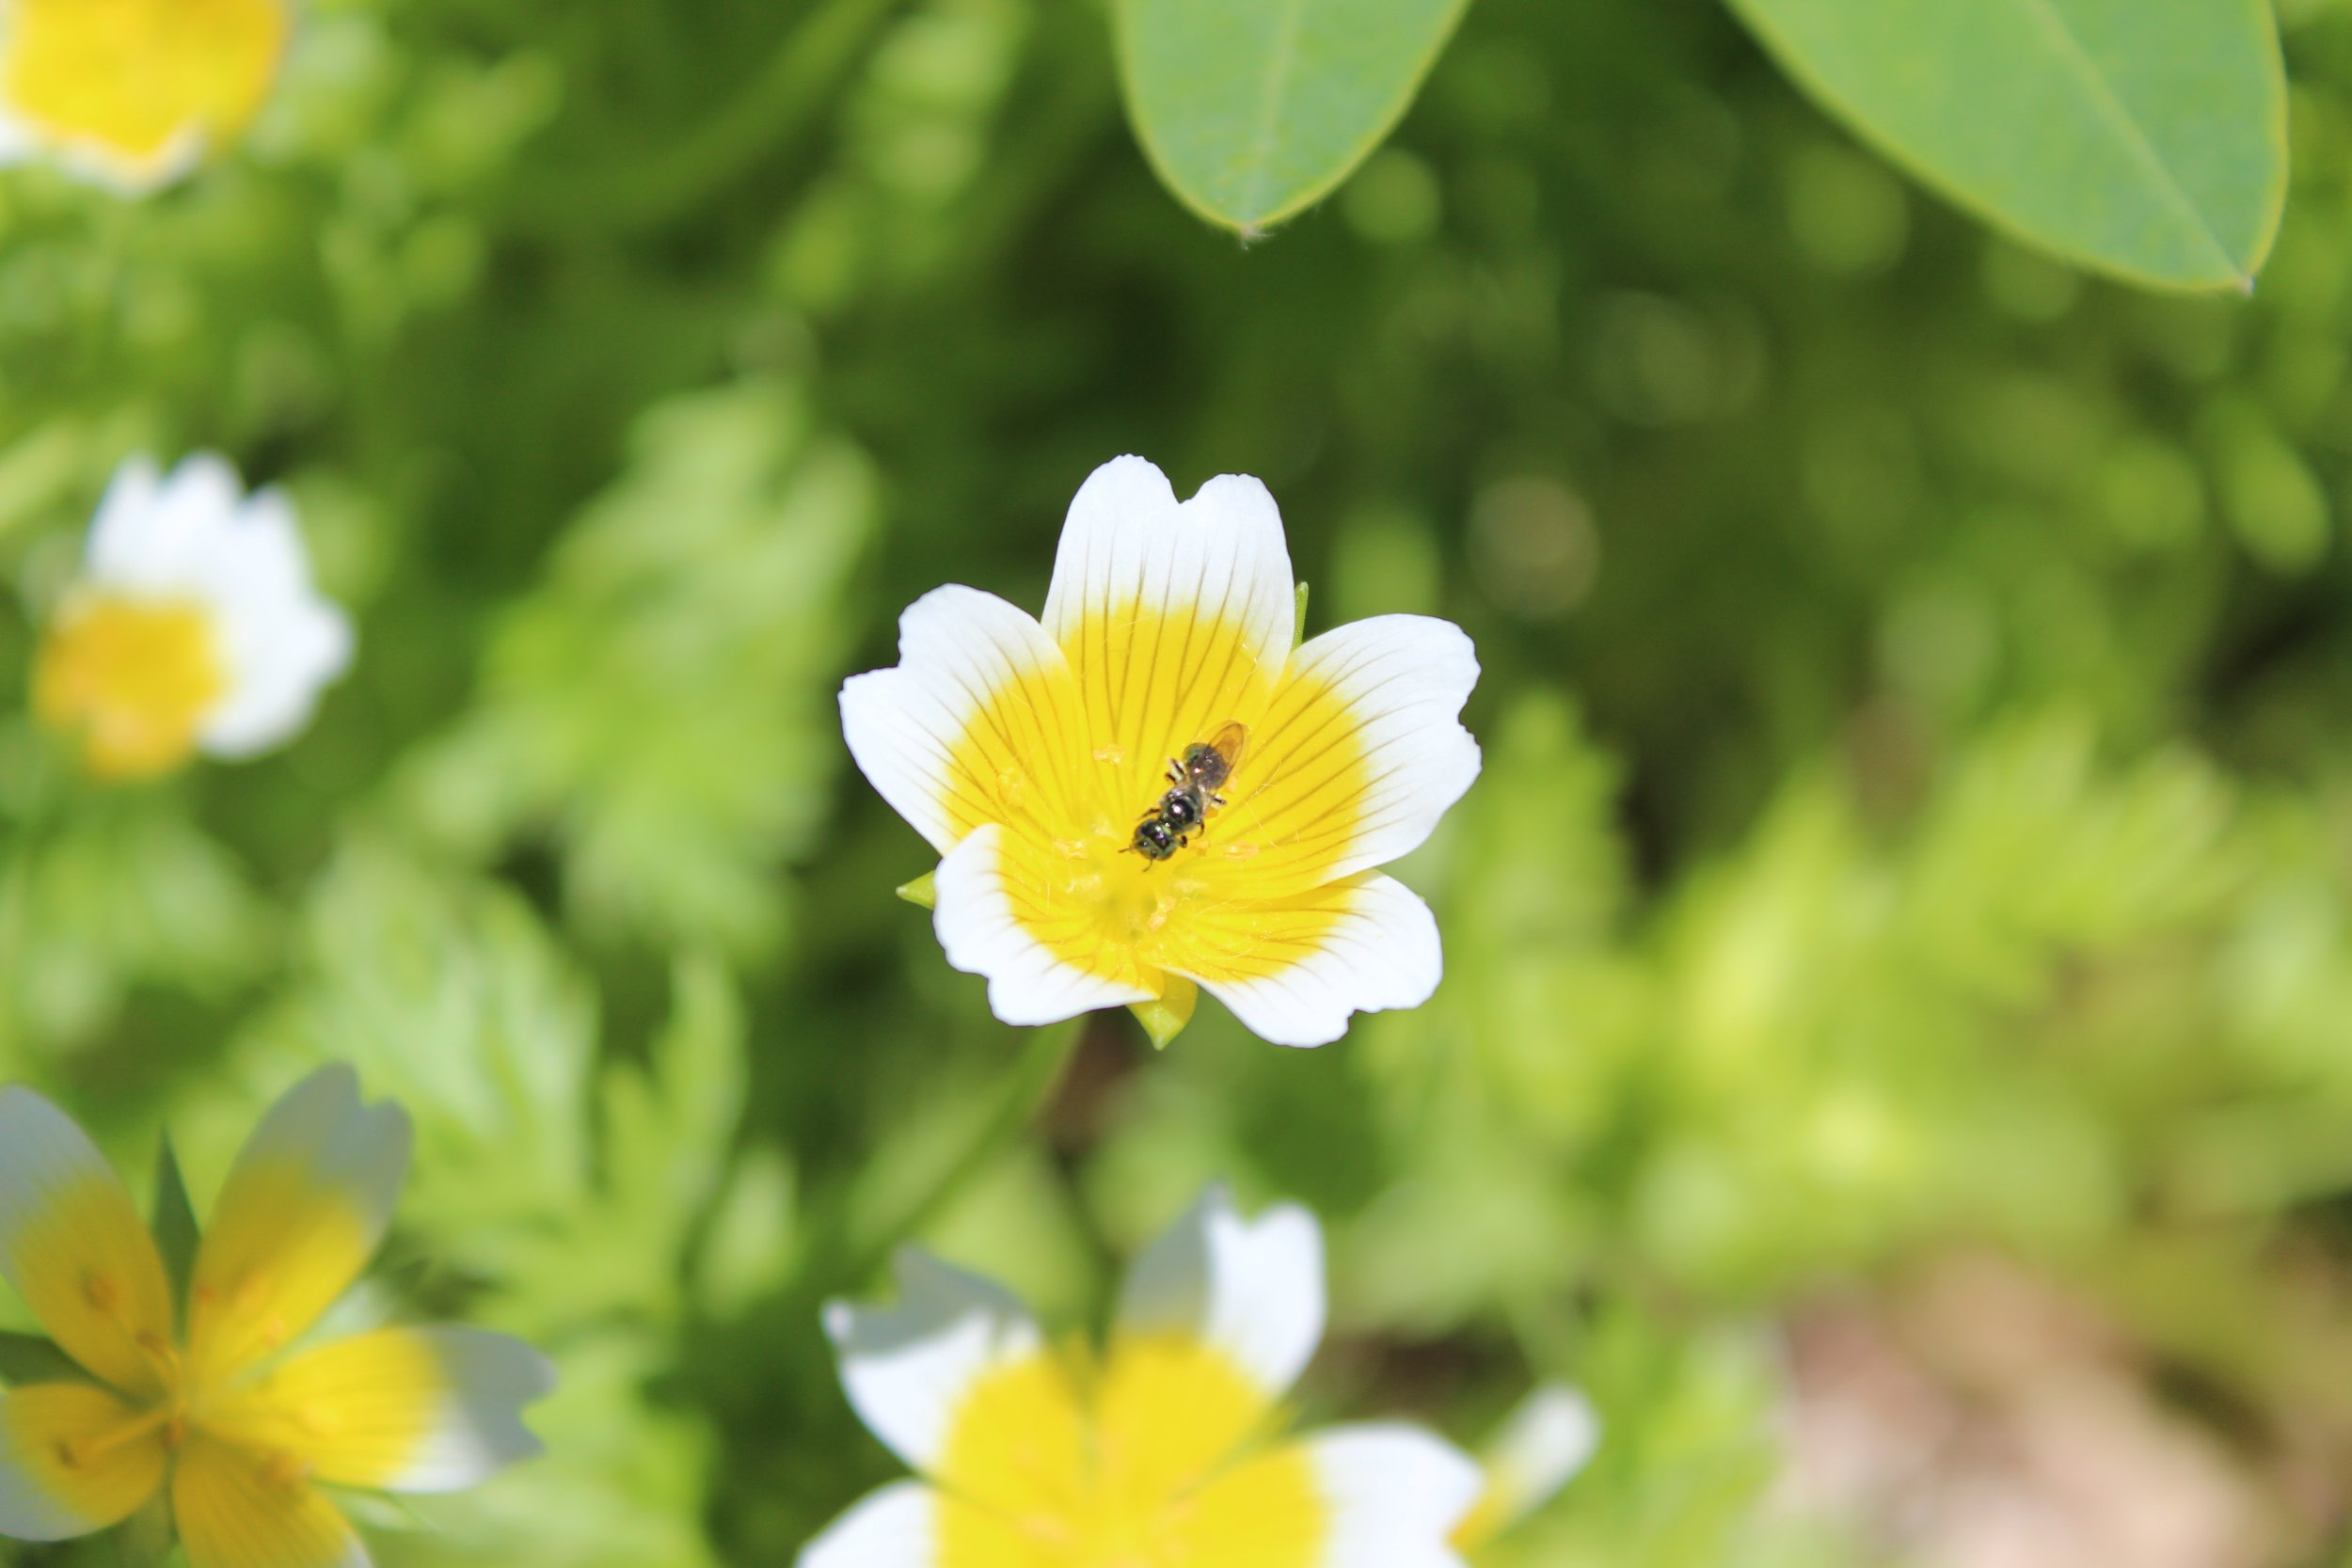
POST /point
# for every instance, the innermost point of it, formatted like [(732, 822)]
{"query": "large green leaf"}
[(2143, 137), (1252, 109)]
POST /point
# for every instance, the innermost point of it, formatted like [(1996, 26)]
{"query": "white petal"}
[(1251, 1287), (42, 1497), (1127, 542), (1403, 678), (1548, 1439), (29, 1511), (981, 934), (491, 1379), (423, 1409), (957, 649), (894, 1527), (908, 1368), (304, 1208), (284, 655), (1382, 953), (1395, 1493), (122, 533), (49, 1170), (188, 531)]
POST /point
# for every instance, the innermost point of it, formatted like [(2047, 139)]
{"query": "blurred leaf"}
[(663, 705), (126, 890), (2143, 137), (1252, 109)]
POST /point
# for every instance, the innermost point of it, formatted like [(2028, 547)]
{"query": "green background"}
[(1899, 952)]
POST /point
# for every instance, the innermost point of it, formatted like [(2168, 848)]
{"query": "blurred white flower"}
[(1539, 1450), (131, 93), (194, 625), (1168, 1450)]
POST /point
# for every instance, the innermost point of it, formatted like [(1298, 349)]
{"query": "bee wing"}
[(1229, 742)]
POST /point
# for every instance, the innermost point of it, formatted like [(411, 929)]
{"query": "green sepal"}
[(145, 1538), (382, 1512), (174, 1224), (923, 890), (1298, 624), (29, 1358), (1165, 1018)]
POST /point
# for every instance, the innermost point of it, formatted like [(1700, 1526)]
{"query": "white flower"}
[(1027, 753), (1170, 1451), (194, 625), (131, 93)]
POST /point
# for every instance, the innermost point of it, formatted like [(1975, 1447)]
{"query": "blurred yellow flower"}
[(131, 93), (1031, 754), (193, 626), (201, 1396), (1169, 1452)]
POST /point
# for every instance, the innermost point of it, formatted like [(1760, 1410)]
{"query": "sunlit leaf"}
[(2143, 137), (1252, 109)]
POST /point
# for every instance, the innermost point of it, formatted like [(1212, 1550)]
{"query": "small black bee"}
[(1195, 779)]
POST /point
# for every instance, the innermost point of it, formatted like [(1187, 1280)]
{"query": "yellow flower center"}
[(133, 679), (134, 76), (190, 1396), (1152, 1467)]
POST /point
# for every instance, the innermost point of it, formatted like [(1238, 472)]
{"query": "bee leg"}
[(1175, 770)]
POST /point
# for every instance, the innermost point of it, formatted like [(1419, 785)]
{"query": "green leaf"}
[(1252, 109), (176, 1234), (2145, 138), (29, 1358)]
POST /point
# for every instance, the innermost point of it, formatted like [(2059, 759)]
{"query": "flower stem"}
[(839, 1261), (15, 895)]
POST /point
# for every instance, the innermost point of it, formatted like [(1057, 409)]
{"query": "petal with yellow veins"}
[(73, 1459), (1057, 932), (400, 1409), (243, 1508), (1248, 1289), (1176, 618), (1267, 1511), (72, 1245), (304, 1208), (959, 1383), (1393, 1492), (1359, 755), (978, 721), (1294, 969)]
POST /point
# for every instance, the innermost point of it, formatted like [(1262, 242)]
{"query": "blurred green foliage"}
[(1917, 816)]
